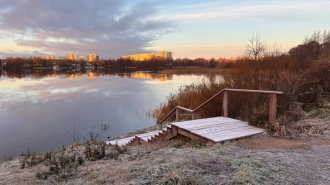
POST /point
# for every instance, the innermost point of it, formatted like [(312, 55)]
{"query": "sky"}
[(188, 28)]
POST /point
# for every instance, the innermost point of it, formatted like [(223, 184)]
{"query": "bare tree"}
[(256, 48), (326, 36), (315, 36)]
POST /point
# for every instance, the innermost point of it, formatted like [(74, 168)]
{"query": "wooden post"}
[(174, 130), (225, 104), (177, 115), (272, 108), (193, 116), (160, 126)]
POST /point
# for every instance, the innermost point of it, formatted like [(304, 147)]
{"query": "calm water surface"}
[(41, 113)]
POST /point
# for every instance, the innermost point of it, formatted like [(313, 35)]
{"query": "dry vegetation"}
[(194, 71), (187, 162)]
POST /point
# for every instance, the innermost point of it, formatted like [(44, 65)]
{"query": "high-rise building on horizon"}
[(72, 56), (165, 54), (92, 58), (148, 56), (44, 57)]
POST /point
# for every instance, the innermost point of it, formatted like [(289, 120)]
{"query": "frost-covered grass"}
[(176, 161)]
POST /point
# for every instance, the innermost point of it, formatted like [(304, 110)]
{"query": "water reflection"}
[(91, 73), (144, 75), (38, 110)]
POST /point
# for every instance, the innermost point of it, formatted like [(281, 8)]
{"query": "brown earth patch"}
[(260, 143)]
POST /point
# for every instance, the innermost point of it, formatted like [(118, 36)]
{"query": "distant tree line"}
[(28, 63)]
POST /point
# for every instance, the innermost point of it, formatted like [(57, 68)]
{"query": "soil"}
[(262, 143)]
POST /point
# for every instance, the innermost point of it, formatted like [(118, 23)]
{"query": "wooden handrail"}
[(169, 114), (256, 91), (272, 104), (185, 109), (207, 101)]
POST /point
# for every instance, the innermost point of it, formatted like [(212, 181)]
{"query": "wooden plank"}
[(255, 91), (203, 123), (144, 138), (149, 133), (232, 132), (199, 121), (229, 128), (228, 136), (120, 142), (236, 137), (191, 135), (219, 125), (113, 142)]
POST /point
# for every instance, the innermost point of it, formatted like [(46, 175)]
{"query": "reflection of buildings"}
[(148, 56), (92, 74), (142, 75), (73, 76), (92, 58), (72, 56), (54, 75)]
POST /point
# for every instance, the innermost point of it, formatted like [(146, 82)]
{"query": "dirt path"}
[(262, 142)]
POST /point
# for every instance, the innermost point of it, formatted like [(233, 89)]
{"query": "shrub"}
[(303, 86)]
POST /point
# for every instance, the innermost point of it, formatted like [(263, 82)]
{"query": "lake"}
[(41, 110)]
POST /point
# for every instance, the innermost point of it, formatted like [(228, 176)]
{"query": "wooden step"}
[(121, 141), (147, 136)]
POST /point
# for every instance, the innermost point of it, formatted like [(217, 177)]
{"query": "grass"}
[(172, 162)]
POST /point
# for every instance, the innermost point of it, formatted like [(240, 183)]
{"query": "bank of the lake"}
[(42, 110)]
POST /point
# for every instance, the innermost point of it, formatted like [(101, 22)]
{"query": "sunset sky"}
[(188, 28)]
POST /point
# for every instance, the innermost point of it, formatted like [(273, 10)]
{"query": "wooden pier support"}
[(177, 115), (225, 104), (272, 108)]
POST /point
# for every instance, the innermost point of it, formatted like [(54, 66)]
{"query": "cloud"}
[(22, 54), (245, 10), (109, 28)]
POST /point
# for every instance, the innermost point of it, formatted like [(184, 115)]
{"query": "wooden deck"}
[(216, 129)]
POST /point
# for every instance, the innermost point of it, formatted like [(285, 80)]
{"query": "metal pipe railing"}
[(272, 104)]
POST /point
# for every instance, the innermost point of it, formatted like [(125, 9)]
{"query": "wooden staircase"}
[(217, 129), (148, 137)]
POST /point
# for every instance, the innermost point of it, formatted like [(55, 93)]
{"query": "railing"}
[(272, 105)]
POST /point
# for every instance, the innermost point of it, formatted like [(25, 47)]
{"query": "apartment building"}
[(72, 56), (148, 56), (92, 57), (44, 57)]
